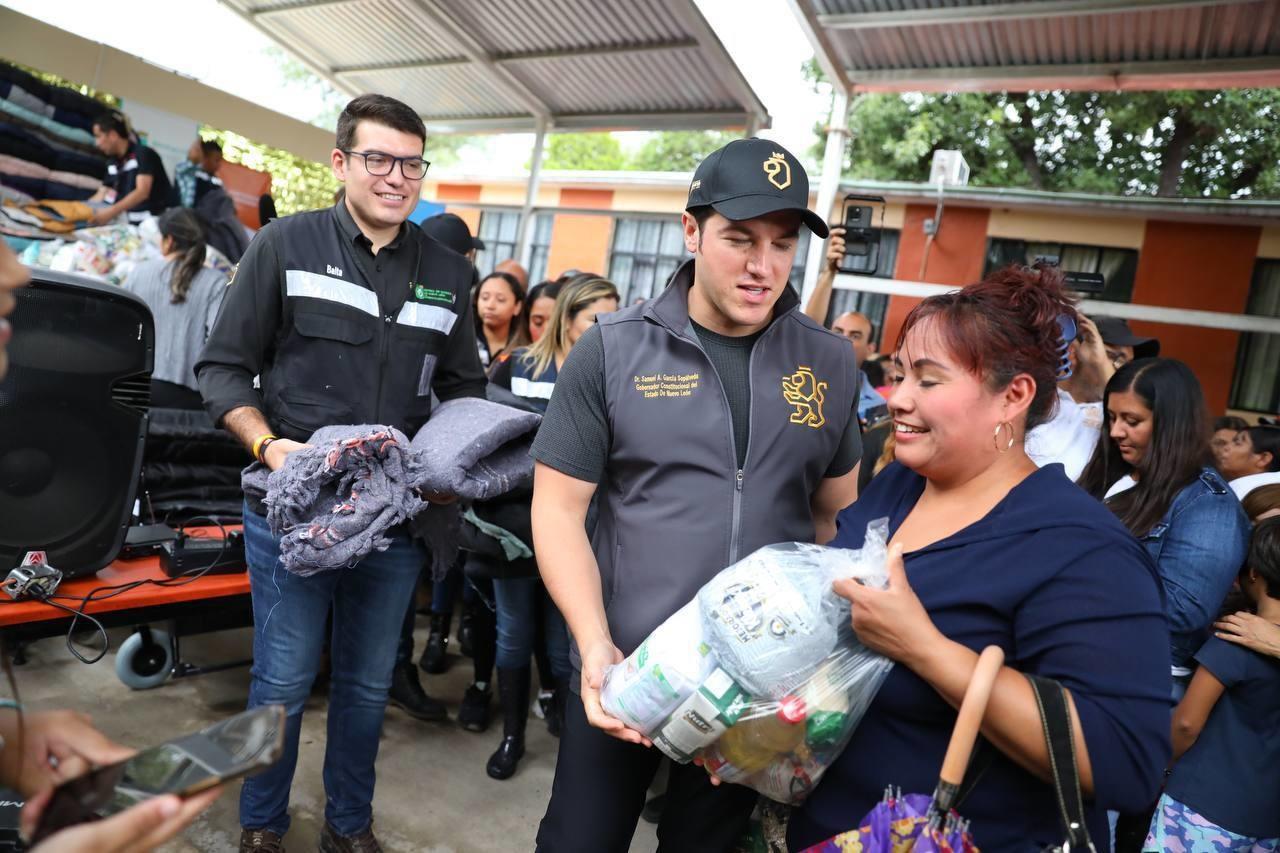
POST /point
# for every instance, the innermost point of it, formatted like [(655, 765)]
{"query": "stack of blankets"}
[(337, 500), (46, 140)]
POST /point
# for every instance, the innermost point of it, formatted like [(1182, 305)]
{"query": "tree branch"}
[(1024, 146), (1175, 153)]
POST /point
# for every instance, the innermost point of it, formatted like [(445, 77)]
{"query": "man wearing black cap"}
[(452, 230), (708, 422), (1123, 346)]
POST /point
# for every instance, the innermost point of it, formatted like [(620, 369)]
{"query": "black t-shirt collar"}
[(353, 233)]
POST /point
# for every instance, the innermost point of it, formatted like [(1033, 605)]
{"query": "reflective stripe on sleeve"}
[(427, 317), (316, 286), (522, 387)]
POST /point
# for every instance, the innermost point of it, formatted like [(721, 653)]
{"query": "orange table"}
[(209, 603)]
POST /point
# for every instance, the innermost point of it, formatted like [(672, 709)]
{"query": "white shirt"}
[(1069, 437), (1244, 485)]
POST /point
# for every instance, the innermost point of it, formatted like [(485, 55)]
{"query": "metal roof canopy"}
[(513, 65), (1020, 45), (522, 65), (1025, 45)]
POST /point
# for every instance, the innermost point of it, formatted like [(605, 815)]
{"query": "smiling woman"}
[(997, 552)]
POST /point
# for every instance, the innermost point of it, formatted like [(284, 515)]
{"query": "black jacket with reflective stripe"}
[(328, 346)]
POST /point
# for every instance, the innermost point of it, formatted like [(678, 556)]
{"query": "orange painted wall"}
[(1185, 265), (468, 193), (581, 240), (955, 258), (469, 215), (458, 192)]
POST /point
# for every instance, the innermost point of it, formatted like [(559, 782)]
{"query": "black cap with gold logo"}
[(749, 178)]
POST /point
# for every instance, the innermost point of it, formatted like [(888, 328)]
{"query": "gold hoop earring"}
[(996, 437)]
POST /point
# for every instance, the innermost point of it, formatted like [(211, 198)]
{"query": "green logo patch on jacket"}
[(422, 293)]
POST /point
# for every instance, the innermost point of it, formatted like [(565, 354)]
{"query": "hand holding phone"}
[(56, 745), (185, 767), (141, 828)]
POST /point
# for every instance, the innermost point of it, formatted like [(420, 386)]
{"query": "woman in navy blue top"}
[(988, 549)]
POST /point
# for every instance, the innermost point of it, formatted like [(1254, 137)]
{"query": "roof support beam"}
[(458, 34), (298, 49), (731, 76), (295, 7), (1146, 76), (1015, 10), (593, 122), (818, 39), (411, 65), (524, 231), (829, 184), (523, 57)]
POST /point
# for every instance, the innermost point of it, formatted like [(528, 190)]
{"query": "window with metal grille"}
[(871, 305), (647, 250), (1118, 266), (1256, 386), (498, 230)]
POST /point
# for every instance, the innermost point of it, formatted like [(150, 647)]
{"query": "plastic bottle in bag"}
[(754, 743)]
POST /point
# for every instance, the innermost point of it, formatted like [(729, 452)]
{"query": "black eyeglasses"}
[(380, 165)]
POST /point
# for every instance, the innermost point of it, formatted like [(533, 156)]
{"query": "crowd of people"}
[(1053, 486)]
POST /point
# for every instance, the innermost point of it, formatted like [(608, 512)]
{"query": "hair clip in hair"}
[(1067, 326)]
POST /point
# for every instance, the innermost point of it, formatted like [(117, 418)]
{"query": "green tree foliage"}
[(1218, 144), (678, 150), (584, 152), (1199, 143), (296, 183)]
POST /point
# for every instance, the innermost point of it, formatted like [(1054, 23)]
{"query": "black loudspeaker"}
[(73, 421)]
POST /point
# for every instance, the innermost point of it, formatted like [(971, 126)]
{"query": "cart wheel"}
[(145, 659)]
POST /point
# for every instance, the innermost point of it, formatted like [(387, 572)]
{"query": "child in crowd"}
[(1223, 788)]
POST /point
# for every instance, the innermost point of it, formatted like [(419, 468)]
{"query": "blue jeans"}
[(289, 615), (519, 601)]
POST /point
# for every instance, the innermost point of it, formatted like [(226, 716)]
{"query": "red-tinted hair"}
[(1002, 326)]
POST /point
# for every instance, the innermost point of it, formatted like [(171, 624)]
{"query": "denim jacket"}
[(1199, 547)]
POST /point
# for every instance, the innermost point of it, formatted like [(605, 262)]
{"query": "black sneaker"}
[(407, 694), (474, 713)]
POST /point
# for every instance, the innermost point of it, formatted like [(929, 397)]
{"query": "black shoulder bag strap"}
[(1056, 721)]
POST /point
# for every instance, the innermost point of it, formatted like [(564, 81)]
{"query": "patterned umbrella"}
[(919, 823)]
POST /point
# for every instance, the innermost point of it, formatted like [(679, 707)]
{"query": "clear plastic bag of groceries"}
[(760, 675)]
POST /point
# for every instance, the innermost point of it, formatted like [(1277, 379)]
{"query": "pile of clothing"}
[(337, 500), (109, 252), (46, 140)]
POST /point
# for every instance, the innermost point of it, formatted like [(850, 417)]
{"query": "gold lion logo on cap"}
[(778, 170), (806, 393)]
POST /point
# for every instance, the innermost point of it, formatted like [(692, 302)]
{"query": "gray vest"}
[(674, 507)]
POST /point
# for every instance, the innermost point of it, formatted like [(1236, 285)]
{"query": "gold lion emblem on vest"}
[(803, 390), (778, 170)]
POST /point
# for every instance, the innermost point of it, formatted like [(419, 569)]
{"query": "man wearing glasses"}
[(347, 315)]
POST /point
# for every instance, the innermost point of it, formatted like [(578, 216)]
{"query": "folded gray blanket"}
[(332, 503), (475, 449)]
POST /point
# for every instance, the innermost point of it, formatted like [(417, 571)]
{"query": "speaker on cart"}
[(73, 421)]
